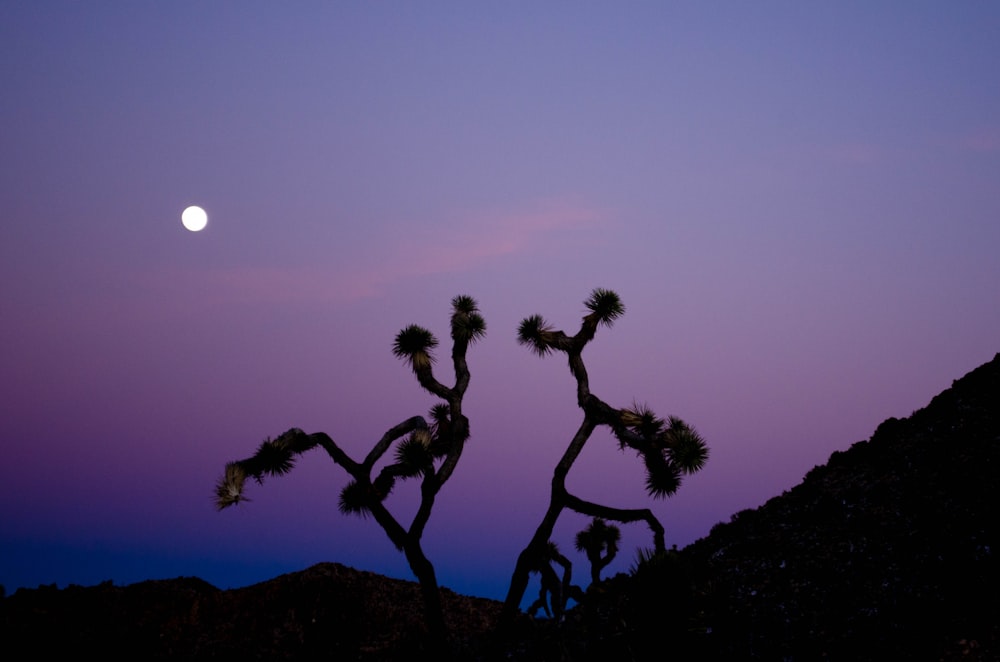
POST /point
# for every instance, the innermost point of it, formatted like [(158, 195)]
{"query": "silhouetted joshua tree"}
[(669, 449), (426, 451), (553, 589), (599, 541)]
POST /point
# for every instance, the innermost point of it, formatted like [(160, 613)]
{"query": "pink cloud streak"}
[(465, 244), (984, 140)]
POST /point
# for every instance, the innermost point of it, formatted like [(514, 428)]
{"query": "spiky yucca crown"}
[(229, 489), (663, 478), (355, 499), (414, 344), (413, 454), (669, 448), (605, 305), (598, 535), (686, 447), (466, 322), (640, 419), (535, 333)]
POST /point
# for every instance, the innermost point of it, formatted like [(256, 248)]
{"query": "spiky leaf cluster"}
[(440, 430), (641, 420), (440, 415), (463, 303), (646, 557), (663, 478), (229, 489), (597, 536), (356, 499), (414, 345), (535, 333), (669, 449), (605, 305), (413, 454), (686, 447), (273, 458), (466, 322)]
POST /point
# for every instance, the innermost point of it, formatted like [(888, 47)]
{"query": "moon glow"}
[(194, 218)]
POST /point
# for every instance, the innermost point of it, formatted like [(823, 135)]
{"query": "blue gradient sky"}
[(798, 203)]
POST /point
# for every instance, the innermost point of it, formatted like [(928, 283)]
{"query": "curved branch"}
[(336, 453), (393, 529), (394, 433), (462, 375), (275, 459), (425, 375), (623, 515), (459, 432)]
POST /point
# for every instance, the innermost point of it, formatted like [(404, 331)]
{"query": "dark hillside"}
[(889, 551), (327, 612)]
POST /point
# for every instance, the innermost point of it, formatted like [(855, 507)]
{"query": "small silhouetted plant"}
[(554, 591), (599, 541), (425, 451), (669, 448), (649, 560)]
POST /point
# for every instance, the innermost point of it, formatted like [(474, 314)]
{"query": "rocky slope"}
[(889, 551), (326, 612)]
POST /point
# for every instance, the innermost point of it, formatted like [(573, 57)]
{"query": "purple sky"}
[(799, 204)]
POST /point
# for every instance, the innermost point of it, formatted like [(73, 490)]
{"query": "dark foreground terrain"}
[(887, 552)]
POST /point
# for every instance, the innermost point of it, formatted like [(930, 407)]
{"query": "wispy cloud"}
[(469, 242), (856, 153), (983, 140), (482, 237)]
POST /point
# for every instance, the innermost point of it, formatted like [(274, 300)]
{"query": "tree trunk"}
[(437, 631), (522, 570)]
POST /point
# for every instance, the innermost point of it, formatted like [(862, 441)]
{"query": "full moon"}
[(194, 219)]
